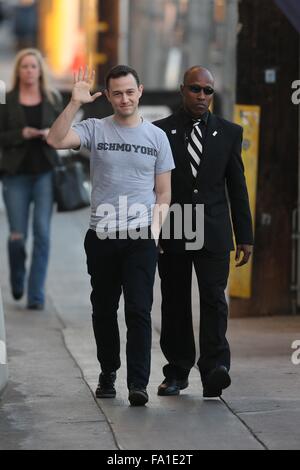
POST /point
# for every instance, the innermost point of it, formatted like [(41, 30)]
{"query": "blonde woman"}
[(27, 164)]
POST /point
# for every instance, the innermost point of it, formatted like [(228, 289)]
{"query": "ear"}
[(141, 90), (106, 92)]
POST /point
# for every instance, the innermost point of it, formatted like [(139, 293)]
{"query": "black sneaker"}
[(106, 385), (37, 307), (17, 294), (138, 396)]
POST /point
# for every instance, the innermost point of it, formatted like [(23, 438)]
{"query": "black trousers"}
[(128, 265), (177, 336)]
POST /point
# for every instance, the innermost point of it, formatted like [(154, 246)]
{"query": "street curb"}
[(3, 355)]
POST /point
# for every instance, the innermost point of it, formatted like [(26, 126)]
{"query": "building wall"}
[(268, 41), (169, 36)]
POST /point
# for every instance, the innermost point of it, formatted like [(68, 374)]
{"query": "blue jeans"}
[(19, 192)]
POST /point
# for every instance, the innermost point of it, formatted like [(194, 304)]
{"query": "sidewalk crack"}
[(246, 425)]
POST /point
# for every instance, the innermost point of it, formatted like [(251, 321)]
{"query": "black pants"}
[(177, 336), (129, 265)]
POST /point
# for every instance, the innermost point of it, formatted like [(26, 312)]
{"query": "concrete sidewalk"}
[(53, 368)]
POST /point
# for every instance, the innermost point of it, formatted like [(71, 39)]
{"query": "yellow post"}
[(249, 118), (60, 22), (68, 33)]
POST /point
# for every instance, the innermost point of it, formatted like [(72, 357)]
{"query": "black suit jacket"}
[(221, 167), (12, 121)]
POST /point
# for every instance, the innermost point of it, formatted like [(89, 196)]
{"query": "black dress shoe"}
[(138, 396), (106, 385), (172, 387), (210, 393), (216, 381)]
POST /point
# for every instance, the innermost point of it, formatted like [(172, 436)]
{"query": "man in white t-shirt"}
[(131, 164)]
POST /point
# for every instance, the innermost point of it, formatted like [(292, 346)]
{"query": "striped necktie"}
[(195, 147)]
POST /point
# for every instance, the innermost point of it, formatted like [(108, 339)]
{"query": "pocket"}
[(86, 241), (151, 247), (90, 246)]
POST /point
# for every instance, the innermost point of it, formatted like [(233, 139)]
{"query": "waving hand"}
[(83, 84)]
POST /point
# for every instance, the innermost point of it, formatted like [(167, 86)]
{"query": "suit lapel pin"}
[(174, 131), (215, 133)]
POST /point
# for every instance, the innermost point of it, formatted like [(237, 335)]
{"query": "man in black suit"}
[(207, 153)]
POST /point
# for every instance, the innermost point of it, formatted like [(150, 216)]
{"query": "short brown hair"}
[(121, 71)]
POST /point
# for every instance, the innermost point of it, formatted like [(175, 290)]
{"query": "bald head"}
[(199, 71), (197, 90)]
